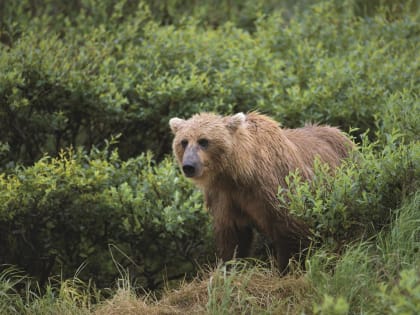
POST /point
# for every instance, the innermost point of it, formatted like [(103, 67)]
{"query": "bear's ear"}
[(176, 123), (233, 122)]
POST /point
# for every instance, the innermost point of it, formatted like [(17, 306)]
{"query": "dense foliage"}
[(83, 208), (77, 77), (73, 75), (357, 199)]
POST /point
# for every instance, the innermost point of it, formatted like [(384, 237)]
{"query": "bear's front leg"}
[(283, 253), (233, 241), (233, 232)]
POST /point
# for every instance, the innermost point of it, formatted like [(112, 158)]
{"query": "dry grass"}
[(242, 289), (125, 302)]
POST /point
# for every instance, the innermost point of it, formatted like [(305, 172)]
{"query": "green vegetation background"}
[(87, 87)]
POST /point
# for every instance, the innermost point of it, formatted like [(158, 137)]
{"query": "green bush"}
[(336, 68), (104, 215), (404, 297), (356, 200), (331, 306), (83, 74)]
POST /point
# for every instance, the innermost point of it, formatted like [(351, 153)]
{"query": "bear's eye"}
[(204, 143), (184, 143)]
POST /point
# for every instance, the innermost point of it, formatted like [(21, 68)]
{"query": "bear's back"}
[(325, 142)]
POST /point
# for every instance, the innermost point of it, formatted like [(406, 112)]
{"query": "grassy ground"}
[(380, 276)]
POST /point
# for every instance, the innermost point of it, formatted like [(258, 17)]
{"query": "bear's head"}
[(203, 144)]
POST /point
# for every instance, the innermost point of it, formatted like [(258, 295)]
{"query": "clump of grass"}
[(400, 248), (235, 288), (126, 302), (350, 276), (64, 297), (20, 295), (10, 299), (240, 289)]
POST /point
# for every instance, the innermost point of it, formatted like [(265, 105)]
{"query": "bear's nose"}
[(189, 170)]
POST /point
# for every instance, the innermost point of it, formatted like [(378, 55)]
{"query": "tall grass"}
[(20, 295), (367, 271), (241, 288), (400, 248)]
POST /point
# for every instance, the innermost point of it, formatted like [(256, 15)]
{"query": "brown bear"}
[(239, 162)]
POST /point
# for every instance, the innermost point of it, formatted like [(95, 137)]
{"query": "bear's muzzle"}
[(191, 163), (189, 170)]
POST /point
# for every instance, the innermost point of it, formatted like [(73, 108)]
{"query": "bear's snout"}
[(189, 170), (191, 163)]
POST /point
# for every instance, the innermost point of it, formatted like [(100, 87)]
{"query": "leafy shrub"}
[(357, 199), (399, 116), (331, 306), (332, 67), (82, 74), (404, 297), (95, 210)]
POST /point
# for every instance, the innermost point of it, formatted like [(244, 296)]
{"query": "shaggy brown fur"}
[(239, 162)]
